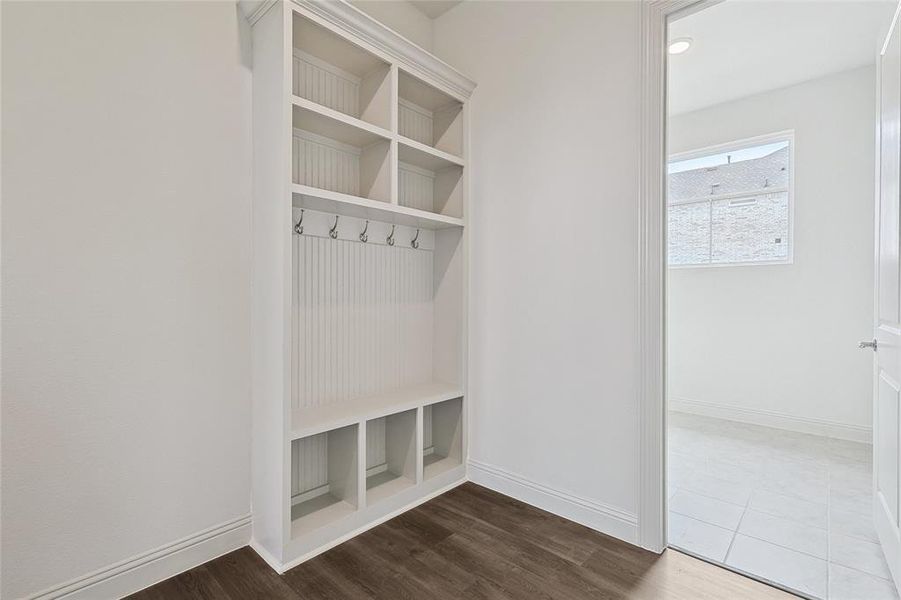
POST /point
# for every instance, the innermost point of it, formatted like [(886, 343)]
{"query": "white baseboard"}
[(141, 571), (770, 418), (144, 570), (600, 517)]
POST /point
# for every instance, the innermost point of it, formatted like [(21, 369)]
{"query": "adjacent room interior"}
[(772, 152)]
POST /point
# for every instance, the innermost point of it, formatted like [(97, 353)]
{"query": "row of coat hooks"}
[(364, 236)]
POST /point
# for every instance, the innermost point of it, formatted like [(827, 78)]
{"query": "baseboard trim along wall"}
[(770, 418), (141, 571), (600, 517), (144, 570)]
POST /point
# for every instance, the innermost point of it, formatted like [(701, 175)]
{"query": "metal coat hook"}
[(390, 239), (415, 242), (363, 237), (333, 232), (298, 227)]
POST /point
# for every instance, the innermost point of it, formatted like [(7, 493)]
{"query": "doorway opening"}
[(770, 284)]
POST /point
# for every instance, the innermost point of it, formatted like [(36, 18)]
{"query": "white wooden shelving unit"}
[(360, 272)]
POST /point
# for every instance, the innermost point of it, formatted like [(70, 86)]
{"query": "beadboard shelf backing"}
[(439, 192), (329, 70), (359, 291), (390, 455), (324, 482), (333, 155), (429, 116), (446, 436), (374, 325)]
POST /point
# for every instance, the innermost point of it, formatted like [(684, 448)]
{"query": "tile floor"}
[(788, 507)]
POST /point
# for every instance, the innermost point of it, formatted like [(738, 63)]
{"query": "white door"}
[(887, 392)]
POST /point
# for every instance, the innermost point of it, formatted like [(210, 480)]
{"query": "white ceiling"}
[(744, 47), (434, 8)]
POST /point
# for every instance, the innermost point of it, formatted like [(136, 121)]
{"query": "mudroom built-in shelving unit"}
[(360, 272)]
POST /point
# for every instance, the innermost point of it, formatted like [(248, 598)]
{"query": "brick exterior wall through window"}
[(736, 212)]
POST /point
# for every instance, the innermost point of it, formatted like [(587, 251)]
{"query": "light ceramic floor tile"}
[(795, 570), (699, 537), (810, 487), (852, 524), (850, 452), (795, 509), (851, 501), (856, 478), (848, 584), (782, 532), (710, 510), (793, 477), (858, 554), (732, 472), (714, 487), (678, 473)]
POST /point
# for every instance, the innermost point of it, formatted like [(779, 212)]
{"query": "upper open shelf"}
[(332, 124), (340, 154), (329, 70), (347, 205), (429, 116), (426, 157)]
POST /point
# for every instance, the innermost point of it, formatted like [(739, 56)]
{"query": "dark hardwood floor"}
[(468, 543)]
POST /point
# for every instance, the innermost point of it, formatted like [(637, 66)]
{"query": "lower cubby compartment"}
[(324, 484), (390, 455), (442, 424)]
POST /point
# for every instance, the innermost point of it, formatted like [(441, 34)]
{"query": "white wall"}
[(126, 282), (783, 339), (402, 17), (554, 245)]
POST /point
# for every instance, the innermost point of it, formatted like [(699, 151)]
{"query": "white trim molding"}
[(773, 418), (652, 265), (600, 517), (652, 423), (356, 23), (141, 571)]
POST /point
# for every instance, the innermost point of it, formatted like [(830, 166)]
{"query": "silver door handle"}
[(872, 345)]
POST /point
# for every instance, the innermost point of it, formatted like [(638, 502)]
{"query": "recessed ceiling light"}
[(679, 45)]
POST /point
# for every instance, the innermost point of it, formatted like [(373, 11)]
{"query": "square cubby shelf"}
[(442, 428), (390, 455), (331, 71), (324, 484)]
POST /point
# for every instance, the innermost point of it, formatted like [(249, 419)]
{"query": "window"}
[(731, 205)]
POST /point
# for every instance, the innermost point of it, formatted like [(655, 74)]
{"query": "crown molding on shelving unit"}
[(409, 56)]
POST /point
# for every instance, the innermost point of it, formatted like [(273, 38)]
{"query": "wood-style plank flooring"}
[(468, 543)]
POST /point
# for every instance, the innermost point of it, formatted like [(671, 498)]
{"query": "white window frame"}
[(760, 140)]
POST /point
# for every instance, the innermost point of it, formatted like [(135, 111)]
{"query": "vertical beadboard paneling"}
[(416, 187), (365, 322), (362, 325), (325, 84), (326, 164), (414, 122), (309, 463)]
